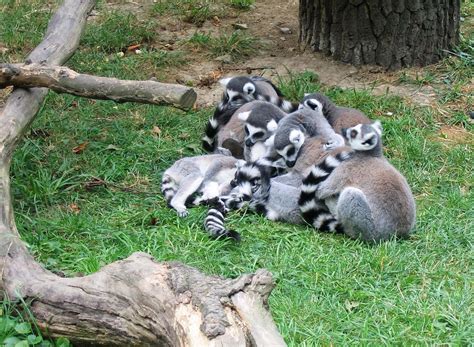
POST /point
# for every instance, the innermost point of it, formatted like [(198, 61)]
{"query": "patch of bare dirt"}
[(281, 53), (452, 135)]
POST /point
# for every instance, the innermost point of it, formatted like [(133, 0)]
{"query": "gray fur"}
[(374, 201), (307, 123), (338, 117), (276, 198), (209, 175), (261, 113)]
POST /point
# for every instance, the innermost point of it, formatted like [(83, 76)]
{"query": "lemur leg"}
[(210, 191), (187, 186), (355, 214)]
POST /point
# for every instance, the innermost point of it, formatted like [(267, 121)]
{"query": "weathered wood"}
[(132, 302), (390, 33), (64, 80)]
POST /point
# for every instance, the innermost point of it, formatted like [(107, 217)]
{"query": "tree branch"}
[(64, 80), (131, 302)]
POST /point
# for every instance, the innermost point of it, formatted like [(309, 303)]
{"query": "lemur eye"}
[(259, 134), (290, 152), (233, 183), (255, 181), (353, 134), (246, 130), (368, 142)]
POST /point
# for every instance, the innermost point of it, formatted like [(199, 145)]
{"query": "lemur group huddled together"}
[(312, 162)]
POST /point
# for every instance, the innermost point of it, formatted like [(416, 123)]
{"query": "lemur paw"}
[(182, 212)]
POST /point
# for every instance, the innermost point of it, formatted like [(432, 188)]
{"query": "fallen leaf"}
[(156, 130), (80, 148), (113, 148), (74, 103), (351, 305), (95, 182), (74, 208)]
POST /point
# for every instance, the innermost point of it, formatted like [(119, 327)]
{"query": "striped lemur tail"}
[(168, 188), (215, 219), (315, 211)]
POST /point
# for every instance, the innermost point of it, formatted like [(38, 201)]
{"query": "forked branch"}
[(131, 302)]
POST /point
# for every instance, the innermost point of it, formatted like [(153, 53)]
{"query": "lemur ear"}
[(249, 88), (295, 136), (240, 163), (272, 125), (243, 116), (377, 125), (224, 81), (306, 94)]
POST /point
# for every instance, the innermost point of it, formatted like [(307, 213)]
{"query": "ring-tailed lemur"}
[(367, 196), (215, 219), (276, 198), (252, 123), (206, 175), (239, 91), (296, 127), (338, 117)]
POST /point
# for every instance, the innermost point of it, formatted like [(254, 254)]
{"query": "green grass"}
[(237, 44), (18, 328), (242, 4), (192, 11), (329, 290)]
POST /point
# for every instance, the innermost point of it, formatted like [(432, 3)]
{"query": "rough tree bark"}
[(390, 33), (64, 80), (135, 301)]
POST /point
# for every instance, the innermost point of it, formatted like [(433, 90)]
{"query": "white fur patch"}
[(321, 219), (259, 150), (377, 125), (272, 125), (207, 139), (270, 141), (309, 188), (272, 215), (231, 93), (243, 116), (250, 171), (224, 81), (318, 172), (296, 136), (310, 205), (213, 122), (332, 162), (286, 105), (249, 88)]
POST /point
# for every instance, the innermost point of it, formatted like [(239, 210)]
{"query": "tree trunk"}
[(64, 80), (390, 33), (133, 302)]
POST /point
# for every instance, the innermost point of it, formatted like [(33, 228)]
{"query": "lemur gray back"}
[(338, 117)]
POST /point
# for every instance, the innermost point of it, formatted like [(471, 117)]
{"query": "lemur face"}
[(290, 152), (363, 137), (255, 133), (247, 181), (239, 89)]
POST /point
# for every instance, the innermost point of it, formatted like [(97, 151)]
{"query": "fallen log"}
[(136, 301), (64, 80)]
